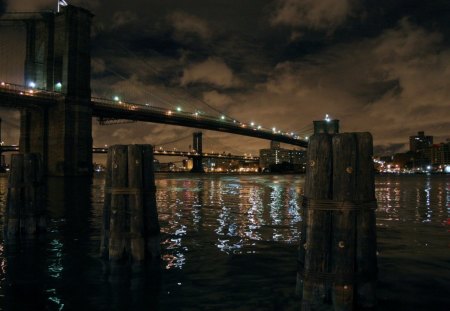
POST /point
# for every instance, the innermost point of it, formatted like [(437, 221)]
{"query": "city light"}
[(222, 117), (327, 118), (32, 84), (58, 86), (274, 129), (178, 109), (252, 123), (116, 98)]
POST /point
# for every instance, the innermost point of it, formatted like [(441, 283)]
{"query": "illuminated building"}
[(277, 158)]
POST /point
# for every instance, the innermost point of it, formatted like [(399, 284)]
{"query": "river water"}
[(228, 243)]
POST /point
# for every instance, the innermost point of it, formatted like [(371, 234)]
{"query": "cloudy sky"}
[(376, 65)]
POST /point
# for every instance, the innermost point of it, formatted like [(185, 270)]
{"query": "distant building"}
[(421, 146), (440, 154), (277, 158), (420, 142)]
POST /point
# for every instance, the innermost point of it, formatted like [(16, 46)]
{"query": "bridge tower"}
[(197, 165), (58, 59)]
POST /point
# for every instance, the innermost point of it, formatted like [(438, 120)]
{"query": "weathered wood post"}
[(130, 218), (337, 266), (314, 247), (25, 211)]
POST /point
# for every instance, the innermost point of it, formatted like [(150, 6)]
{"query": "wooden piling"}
[(25, 210), (119, 219), (14, 197), (343, 229), (130, 219), (135, 202), (151, 223), (366, 242), (317, 223), (339, 270), (104, 247)]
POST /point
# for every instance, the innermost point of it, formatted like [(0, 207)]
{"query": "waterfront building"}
[(277, 158), (440, 154), (420, 142)]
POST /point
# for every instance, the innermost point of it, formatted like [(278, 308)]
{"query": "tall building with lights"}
[(420, 142), (277, 158), (420, 146)]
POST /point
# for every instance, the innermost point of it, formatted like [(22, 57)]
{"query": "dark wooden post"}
[(366, 242), (119, 221), (130, 218), (343, 247), (314, 245), (151, 223), (104, 247), (15, 196), (25, 211), (338, 268)]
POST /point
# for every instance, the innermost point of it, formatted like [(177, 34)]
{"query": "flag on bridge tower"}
[(62, 3)]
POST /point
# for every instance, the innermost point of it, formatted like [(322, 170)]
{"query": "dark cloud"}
[(377, 65), (389, 149)]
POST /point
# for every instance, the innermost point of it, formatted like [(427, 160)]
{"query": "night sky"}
[(379, 65)]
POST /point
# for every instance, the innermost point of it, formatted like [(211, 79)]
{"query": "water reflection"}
[(238, 210), (228, 242)]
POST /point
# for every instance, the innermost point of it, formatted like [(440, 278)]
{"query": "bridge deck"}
[(16, 96)]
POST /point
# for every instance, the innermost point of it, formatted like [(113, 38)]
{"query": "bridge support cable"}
[(154, 97), (184, 90), (173, 141)]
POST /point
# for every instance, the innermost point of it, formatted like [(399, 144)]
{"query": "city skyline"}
[(379, 67)]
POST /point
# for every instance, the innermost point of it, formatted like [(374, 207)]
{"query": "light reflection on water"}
[(228, 242), (238, 209)]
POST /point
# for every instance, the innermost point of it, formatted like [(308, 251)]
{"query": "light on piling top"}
[(327, 118)]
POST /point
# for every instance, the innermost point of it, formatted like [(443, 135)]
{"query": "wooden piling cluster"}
[(130, 219), (25, 207), (337, 254)]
